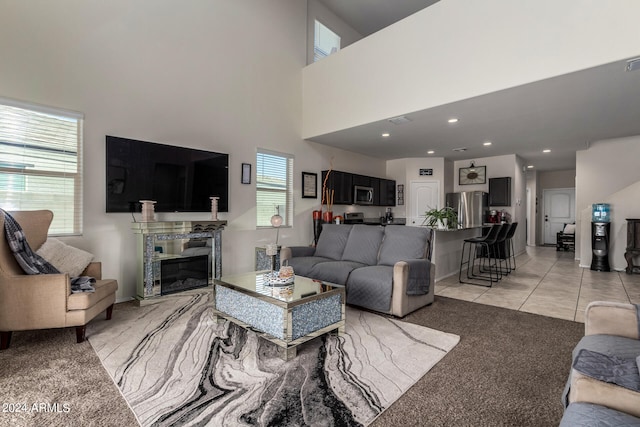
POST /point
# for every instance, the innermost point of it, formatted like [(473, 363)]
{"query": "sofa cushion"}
[(84, 300), (402, 243), (333, 271), (371, 287), (302, 265), (332, 241), (363, 244)]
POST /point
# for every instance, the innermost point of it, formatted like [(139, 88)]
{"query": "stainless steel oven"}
[(362, 195)]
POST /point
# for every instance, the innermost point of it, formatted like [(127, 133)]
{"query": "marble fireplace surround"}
[(175, 364)]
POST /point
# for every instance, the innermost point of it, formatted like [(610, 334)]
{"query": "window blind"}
[(40, 163), (274, 187)]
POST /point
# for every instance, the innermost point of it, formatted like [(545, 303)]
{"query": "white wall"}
[(455, 50), (318, 11), (406, 170), (607, 173), (217, 75)]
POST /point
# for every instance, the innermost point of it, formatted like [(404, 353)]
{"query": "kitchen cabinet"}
[(342, 184), (362, 180), (500, 191), (387, 192)]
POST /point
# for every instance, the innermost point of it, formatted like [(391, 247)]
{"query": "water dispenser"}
[(600, 232)]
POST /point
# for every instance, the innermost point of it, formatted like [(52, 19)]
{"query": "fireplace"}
[(184, 273)]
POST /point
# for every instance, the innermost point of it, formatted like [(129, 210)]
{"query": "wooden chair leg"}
[(109, 312), (80, 333), (5, 339)]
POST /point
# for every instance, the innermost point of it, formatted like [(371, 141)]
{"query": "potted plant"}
[(443, 218)]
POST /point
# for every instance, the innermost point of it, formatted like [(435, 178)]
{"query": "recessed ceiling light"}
[(486, 143), (546, 151), (430, 152), (453, 120), (400, 120), (384, 135), (530, 167)]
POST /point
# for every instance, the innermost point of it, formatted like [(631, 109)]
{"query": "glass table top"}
[(301, 288)]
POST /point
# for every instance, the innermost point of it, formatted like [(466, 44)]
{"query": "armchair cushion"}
[(65, 258), (85, 300)]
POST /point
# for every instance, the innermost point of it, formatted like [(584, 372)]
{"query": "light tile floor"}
[(550, 283)]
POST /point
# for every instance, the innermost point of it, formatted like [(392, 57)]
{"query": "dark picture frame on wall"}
[(246, 173), (309, 185)]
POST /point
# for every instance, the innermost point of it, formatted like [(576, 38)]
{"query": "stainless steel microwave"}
[(362, 195)]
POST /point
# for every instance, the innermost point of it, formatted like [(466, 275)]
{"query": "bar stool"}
[(499, 251), (510, 248), (485, 246)]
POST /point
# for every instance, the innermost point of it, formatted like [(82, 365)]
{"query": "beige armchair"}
[(45, 301)]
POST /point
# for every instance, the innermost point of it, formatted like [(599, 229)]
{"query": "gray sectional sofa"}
[(385, 269), (603, 387)]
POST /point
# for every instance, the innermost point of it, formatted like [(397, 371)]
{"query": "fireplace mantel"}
[(169, 240)]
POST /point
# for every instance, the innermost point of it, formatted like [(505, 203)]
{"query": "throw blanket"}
[(419, 276), (32, 263), (609, 369)]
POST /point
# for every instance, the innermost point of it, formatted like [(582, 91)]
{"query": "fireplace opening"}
[(182, 274)]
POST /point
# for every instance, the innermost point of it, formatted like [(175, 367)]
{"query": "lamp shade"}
[(276, 220)]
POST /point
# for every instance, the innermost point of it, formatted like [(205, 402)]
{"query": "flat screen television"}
[(179, 179)]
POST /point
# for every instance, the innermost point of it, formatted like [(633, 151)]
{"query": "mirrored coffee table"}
[(285, 315)]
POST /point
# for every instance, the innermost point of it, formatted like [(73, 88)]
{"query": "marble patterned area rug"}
[(177, 366)]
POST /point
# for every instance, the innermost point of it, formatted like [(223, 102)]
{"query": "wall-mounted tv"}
[(179, 179)]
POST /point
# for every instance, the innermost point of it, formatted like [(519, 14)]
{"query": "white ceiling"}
[(563, 114)]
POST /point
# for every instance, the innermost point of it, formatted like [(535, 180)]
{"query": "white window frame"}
[(318, 53), (27, 129), (286, 210)]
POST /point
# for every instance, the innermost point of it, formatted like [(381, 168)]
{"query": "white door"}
[(424, 195), (559, 209)]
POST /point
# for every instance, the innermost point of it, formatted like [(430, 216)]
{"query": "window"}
[(274, 187), (40, 163), (325, 41)]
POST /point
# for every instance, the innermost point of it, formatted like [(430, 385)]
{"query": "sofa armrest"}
[(590, 390), (399, 298), (612, 318), (34, 302), (94, 269), (288, 252)]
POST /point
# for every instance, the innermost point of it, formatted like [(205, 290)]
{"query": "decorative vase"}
[(148, 210), (214, 207), (317, 226), (327, 217)]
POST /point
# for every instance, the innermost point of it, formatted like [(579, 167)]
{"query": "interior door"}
[(424, 195), (559, 209)]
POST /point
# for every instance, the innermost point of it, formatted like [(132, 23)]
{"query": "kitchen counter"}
[(376, 221)]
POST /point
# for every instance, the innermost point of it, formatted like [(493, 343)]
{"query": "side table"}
[(264, 262)]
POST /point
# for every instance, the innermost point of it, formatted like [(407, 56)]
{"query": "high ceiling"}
[(563, 114)]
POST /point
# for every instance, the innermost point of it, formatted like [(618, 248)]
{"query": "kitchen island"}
[(447, 249)]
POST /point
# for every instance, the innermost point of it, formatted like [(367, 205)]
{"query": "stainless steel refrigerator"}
[(471, 207)]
